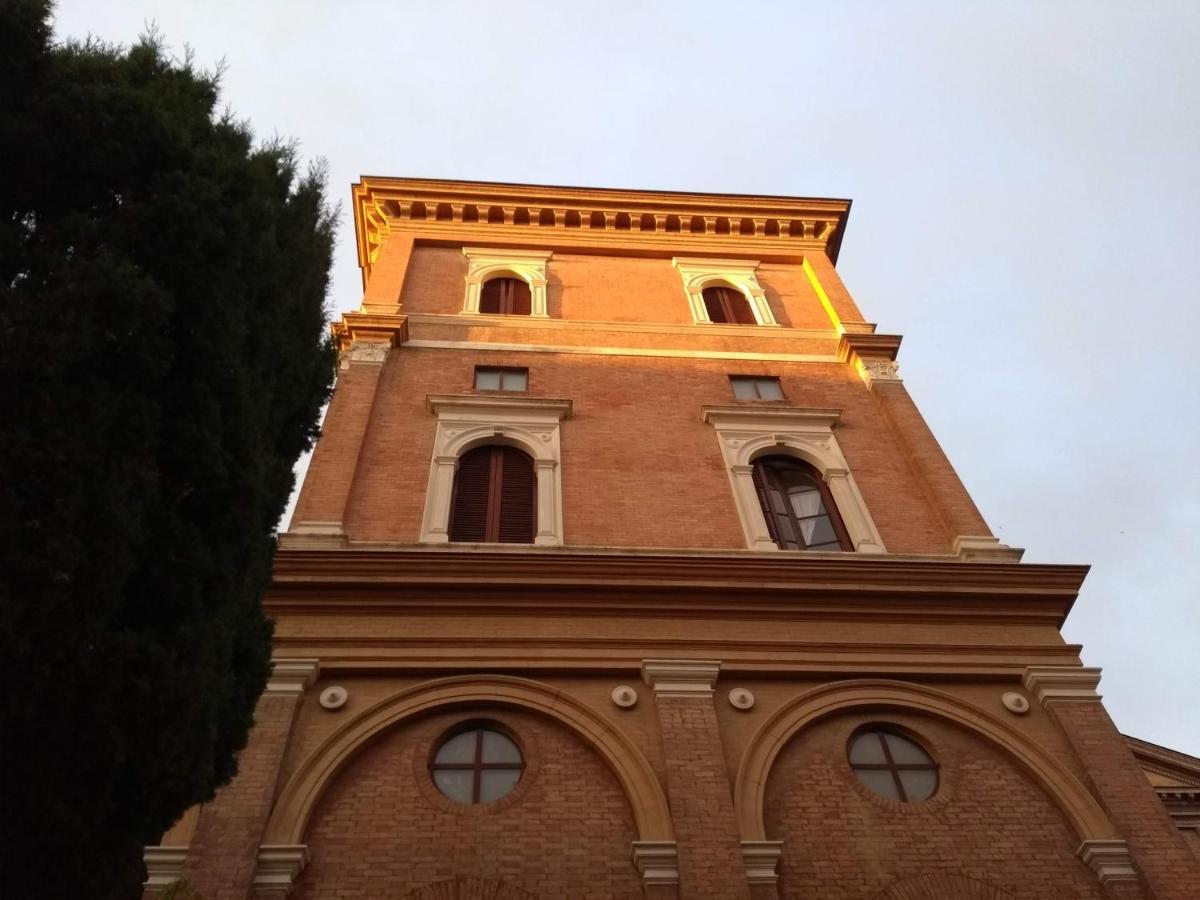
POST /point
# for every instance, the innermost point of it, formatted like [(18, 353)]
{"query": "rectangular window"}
[(755, 387), (495, 378)]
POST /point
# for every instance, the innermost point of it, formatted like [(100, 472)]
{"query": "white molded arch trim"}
[(745, 433), (739, 274), (469, 421), (484, 264)]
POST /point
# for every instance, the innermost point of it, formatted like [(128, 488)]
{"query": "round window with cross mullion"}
[(893, 766), (476, 764)]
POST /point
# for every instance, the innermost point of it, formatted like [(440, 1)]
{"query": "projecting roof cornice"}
[(474, 211), (569, 578)]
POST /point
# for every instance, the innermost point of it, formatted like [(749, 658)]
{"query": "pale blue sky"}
[(1026, 186)]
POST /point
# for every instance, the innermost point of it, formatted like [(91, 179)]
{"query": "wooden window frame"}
[(766, 473), (477, 765), (502, 370), (509, 287), (735, 307), (494, 507), (891, 765), (756, 381)]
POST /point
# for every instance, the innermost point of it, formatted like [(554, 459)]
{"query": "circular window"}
[(478, 764), (893, 766)]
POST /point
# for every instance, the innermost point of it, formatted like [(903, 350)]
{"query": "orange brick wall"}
[(639, 467), (987, 822), (383, 831)]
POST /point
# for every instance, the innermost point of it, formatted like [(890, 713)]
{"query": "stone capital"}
[(761, 859), (292, 676), (278, 867), (1052, 684), (1110, 860), (984, 548), (681, 677), (656, 861)]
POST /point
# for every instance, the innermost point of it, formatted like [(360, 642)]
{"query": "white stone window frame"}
[(465, 422), (806, 434), (740, 274), (484, 264)]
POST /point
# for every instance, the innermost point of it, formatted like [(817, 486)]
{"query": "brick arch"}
[(291, 814), (1084, 813), (942, 887), (469, 889)]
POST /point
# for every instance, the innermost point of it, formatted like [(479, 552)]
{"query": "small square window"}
[(501, 379), (753, 387)]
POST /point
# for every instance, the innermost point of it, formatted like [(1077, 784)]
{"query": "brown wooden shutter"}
[(521, 302), (739, 307), (469, 508), (716, 308), (517, 518), (495, 497), (761, 488)]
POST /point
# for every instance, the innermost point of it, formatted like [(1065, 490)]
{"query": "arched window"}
[(495, 497), (796, 504), (727, 306), (506, 297)]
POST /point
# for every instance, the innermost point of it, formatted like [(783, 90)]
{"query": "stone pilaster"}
[(698, 788)]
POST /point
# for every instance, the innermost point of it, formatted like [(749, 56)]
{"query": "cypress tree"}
[(162, 365)]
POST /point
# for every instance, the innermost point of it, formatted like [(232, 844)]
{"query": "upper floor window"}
[(726, 306), (795, 502), (494, 497), (501, 378), (505, 296), (756, 387)]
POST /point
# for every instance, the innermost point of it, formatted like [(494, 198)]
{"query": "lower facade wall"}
[(378, 827)]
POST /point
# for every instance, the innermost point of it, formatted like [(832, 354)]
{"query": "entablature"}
[(480, 211)]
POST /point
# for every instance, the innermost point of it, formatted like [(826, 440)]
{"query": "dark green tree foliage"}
[(162, 365)]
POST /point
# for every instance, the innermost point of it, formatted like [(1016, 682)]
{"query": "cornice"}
[(479, 211), (734, 582), (767, 416), (439, 404), (1164, 760)]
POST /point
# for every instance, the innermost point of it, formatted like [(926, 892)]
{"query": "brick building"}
[(627, 567)]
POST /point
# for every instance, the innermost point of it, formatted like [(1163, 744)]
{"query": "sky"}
[(1026, 187)]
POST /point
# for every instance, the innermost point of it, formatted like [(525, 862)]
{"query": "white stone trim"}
[(486, 263), (691, 678), (761, 859), (164, 866), (1110, 860), (1051, 683), (292, 676), (625, 351), (656, 861), (279, 865), (985, 548), (745, 433), (699, 273), (468, 421)]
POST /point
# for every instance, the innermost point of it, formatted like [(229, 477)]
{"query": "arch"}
[(291, 814), (510, 435), (469, 889), (1076, 802), (738, 274), (807, 434), (484, 264), (942, 887)]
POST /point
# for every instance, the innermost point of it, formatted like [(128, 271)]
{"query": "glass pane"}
[(514, 381), (743, 388), (496, 783), (455, 783), (866, 750), (458, 750), (819, 531), (806, 501), (919, 785), (880, 781), (499, 749), (768, 389), (487, 380), (905, 752)]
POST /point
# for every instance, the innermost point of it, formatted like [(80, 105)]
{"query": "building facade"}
[(626, 567)]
